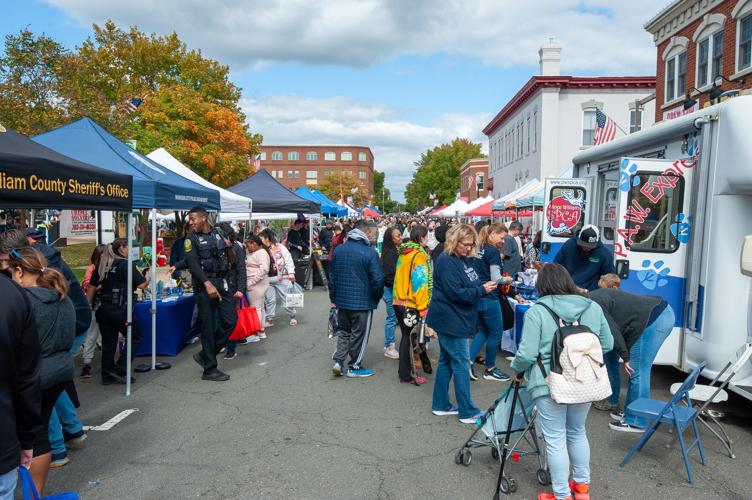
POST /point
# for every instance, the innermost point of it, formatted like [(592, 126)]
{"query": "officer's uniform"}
[(112, 313), (207, 258)]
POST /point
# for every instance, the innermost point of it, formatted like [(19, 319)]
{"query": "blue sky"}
[(398, 76)]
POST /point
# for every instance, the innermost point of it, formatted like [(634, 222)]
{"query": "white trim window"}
[(362, 157), (676, 76), (277, 155), (362, 174), (744, 43), (262, 156), (528, 134), (345, 156), (635, 120), (312, 174), (293, 156), (535, 130), (330, 156), (709, 59), (588, 126), (311, 156)]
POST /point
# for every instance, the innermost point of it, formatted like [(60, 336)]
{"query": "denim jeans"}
[(563, 428), (489, 321), (8, 484), (63, 417), (454, 361), (642, 355), (611, 359), (391, 318)]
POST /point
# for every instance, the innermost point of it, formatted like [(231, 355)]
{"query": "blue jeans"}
[(642, 355), (454, 360), (391, 318), (8, 484), (489, 321), (63, 413), (563, 428), (611, 359)]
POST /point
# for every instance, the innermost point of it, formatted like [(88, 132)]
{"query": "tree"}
[(338, 184), (438, 173), (382, 196), (29, 99), (209, 138)]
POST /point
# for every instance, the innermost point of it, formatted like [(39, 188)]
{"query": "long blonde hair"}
[(458, 233), (33, 262), (489, 229)]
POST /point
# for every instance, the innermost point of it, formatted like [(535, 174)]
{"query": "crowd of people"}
[(446, 284)]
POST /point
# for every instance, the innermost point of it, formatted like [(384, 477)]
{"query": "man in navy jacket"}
[(356, 284), (585, 257)]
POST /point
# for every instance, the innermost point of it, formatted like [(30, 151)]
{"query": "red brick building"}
[(474, 179), (704, 51), (302, 165)]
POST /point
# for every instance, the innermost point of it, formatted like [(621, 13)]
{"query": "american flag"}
[(257, 161), (605, 128), (132, 104)]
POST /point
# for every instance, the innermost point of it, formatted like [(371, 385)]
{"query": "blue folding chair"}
[(674, 413)]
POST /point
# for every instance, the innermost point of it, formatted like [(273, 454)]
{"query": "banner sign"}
[(78, 223)]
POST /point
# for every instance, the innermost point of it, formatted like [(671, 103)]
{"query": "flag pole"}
[(617, 125)]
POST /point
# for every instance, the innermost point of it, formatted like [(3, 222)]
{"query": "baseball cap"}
[(30, 232), (588, 237)]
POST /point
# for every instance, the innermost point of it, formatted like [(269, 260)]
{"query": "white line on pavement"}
[(111, 422)]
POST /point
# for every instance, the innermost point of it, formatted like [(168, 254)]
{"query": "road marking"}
[(111, 422), (262, 363)]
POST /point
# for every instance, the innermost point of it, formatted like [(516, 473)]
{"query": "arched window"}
[(277, 155)]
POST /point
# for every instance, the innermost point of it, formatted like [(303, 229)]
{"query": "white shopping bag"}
[(295, 297)]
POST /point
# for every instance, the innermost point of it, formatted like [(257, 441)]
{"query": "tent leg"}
[(153, 288), (129, 311)]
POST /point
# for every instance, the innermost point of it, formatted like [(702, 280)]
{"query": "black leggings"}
[(49, 398), (406, 370)]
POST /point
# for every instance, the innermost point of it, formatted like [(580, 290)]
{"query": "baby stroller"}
[(513, 413)]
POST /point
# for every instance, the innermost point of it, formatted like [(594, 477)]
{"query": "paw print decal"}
[(655, 276), (627, 171), (682, 230)]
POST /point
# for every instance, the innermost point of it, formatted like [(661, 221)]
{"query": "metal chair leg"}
[(699, 442), (683, 451)]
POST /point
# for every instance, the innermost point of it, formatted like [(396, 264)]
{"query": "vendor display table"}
[(173, 325)]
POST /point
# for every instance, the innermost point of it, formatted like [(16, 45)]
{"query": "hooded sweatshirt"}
[(413, 281), (56, 325), (586, 268), (538, 334)]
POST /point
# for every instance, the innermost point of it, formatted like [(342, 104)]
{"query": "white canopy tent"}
[(459, 206), (228, 201), (351, 212), (476, 203), (231, 216)]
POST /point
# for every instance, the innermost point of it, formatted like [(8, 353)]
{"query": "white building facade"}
[(552, 118)]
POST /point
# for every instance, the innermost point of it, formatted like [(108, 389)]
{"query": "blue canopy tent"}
[(328, 207), (154, 186), (336, 209)]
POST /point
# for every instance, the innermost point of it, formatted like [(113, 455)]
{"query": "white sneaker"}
[(391, 352), (253, 338), (262, 335)]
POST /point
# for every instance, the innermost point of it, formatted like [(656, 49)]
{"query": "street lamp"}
[(716, 92)]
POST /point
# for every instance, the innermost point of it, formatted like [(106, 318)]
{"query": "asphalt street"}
[(283, 427)]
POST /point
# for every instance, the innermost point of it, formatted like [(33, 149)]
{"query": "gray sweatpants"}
[(352, 336), (278, 289)]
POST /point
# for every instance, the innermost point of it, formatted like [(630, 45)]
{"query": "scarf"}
[(358, 235), (411, 246)]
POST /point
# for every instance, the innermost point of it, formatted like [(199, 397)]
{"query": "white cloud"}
[(395, 142), (598, 35)]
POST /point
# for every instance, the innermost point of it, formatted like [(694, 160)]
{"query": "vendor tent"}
[(477, 203), (228, 201), (523, 192), (484, 210), (341, 211), (328, 207), (154, 186), (351, 212), (270, 196), (34, 176), (437, 209), (370, 212), (458, 207), (534, 199), (499, 203)]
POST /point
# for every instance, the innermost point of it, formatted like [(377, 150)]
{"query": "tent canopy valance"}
[(32, 175), (228, 201), (270, 196), (328, 207), (154, 186)]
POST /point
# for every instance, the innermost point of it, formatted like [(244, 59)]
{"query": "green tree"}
[(29, 80), (382, 196), (438, 173), (339, 184)]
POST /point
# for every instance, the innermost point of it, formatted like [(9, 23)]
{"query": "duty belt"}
[(215, 275)]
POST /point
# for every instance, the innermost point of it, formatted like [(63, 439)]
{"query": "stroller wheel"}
[(505, 486), (543, 477), (467, 457), (512, 485), (495, 453), (458, 457)]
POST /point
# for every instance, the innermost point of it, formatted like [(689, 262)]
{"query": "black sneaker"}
[(473, 376), (215, 376), (622, 426), (86, 371), (120, 378), (495, 374), (108, 379), (230, 355)]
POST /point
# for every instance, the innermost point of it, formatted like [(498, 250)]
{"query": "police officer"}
[(110, 278), (208, 257)]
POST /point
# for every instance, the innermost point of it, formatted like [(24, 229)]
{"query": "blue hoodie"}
[(586, 268), (457, 290)]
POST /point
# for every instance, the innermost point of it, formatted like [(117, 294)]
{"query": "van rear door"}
[(652, 231), (565, 210)]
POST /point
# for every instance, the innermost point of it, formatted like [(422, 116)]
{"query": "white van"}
[(674, 202)]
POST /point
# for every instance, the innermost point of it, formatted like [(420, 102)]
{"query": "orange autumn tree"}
[(212, 140), (345, 183)]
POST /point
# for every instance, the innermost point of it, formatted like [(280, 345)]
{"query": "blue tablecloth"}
[(173, 325)]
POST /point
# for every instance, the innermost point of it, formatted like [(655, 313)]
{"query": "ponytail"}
[(33, 262)]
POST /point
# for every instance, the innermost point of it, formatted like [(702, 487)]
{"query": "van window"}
[(660, 211)]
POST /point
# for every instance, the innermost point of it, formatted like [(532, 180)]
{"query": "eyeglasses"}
[(467, 245)]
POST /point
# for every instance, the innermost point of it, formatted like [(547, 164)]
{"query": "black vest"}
[(212, 252)]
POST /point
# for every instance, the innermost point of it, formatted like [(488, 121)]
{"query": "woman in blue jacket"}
[(453, 313)]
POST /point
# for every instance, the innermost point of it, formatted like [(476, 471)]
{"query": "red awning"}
[(367, 212), (482, 211)]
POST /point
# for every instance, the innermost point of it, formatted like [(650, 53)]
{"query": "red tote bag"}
[(248, 321)]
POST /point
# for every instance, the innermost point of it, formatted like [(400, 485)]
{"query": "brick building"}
[(474, 179), (303, 165), (704, 51)]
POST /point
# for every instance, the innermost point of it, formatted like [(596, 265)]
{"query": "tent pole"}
[(129, 312), (153, 288)]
